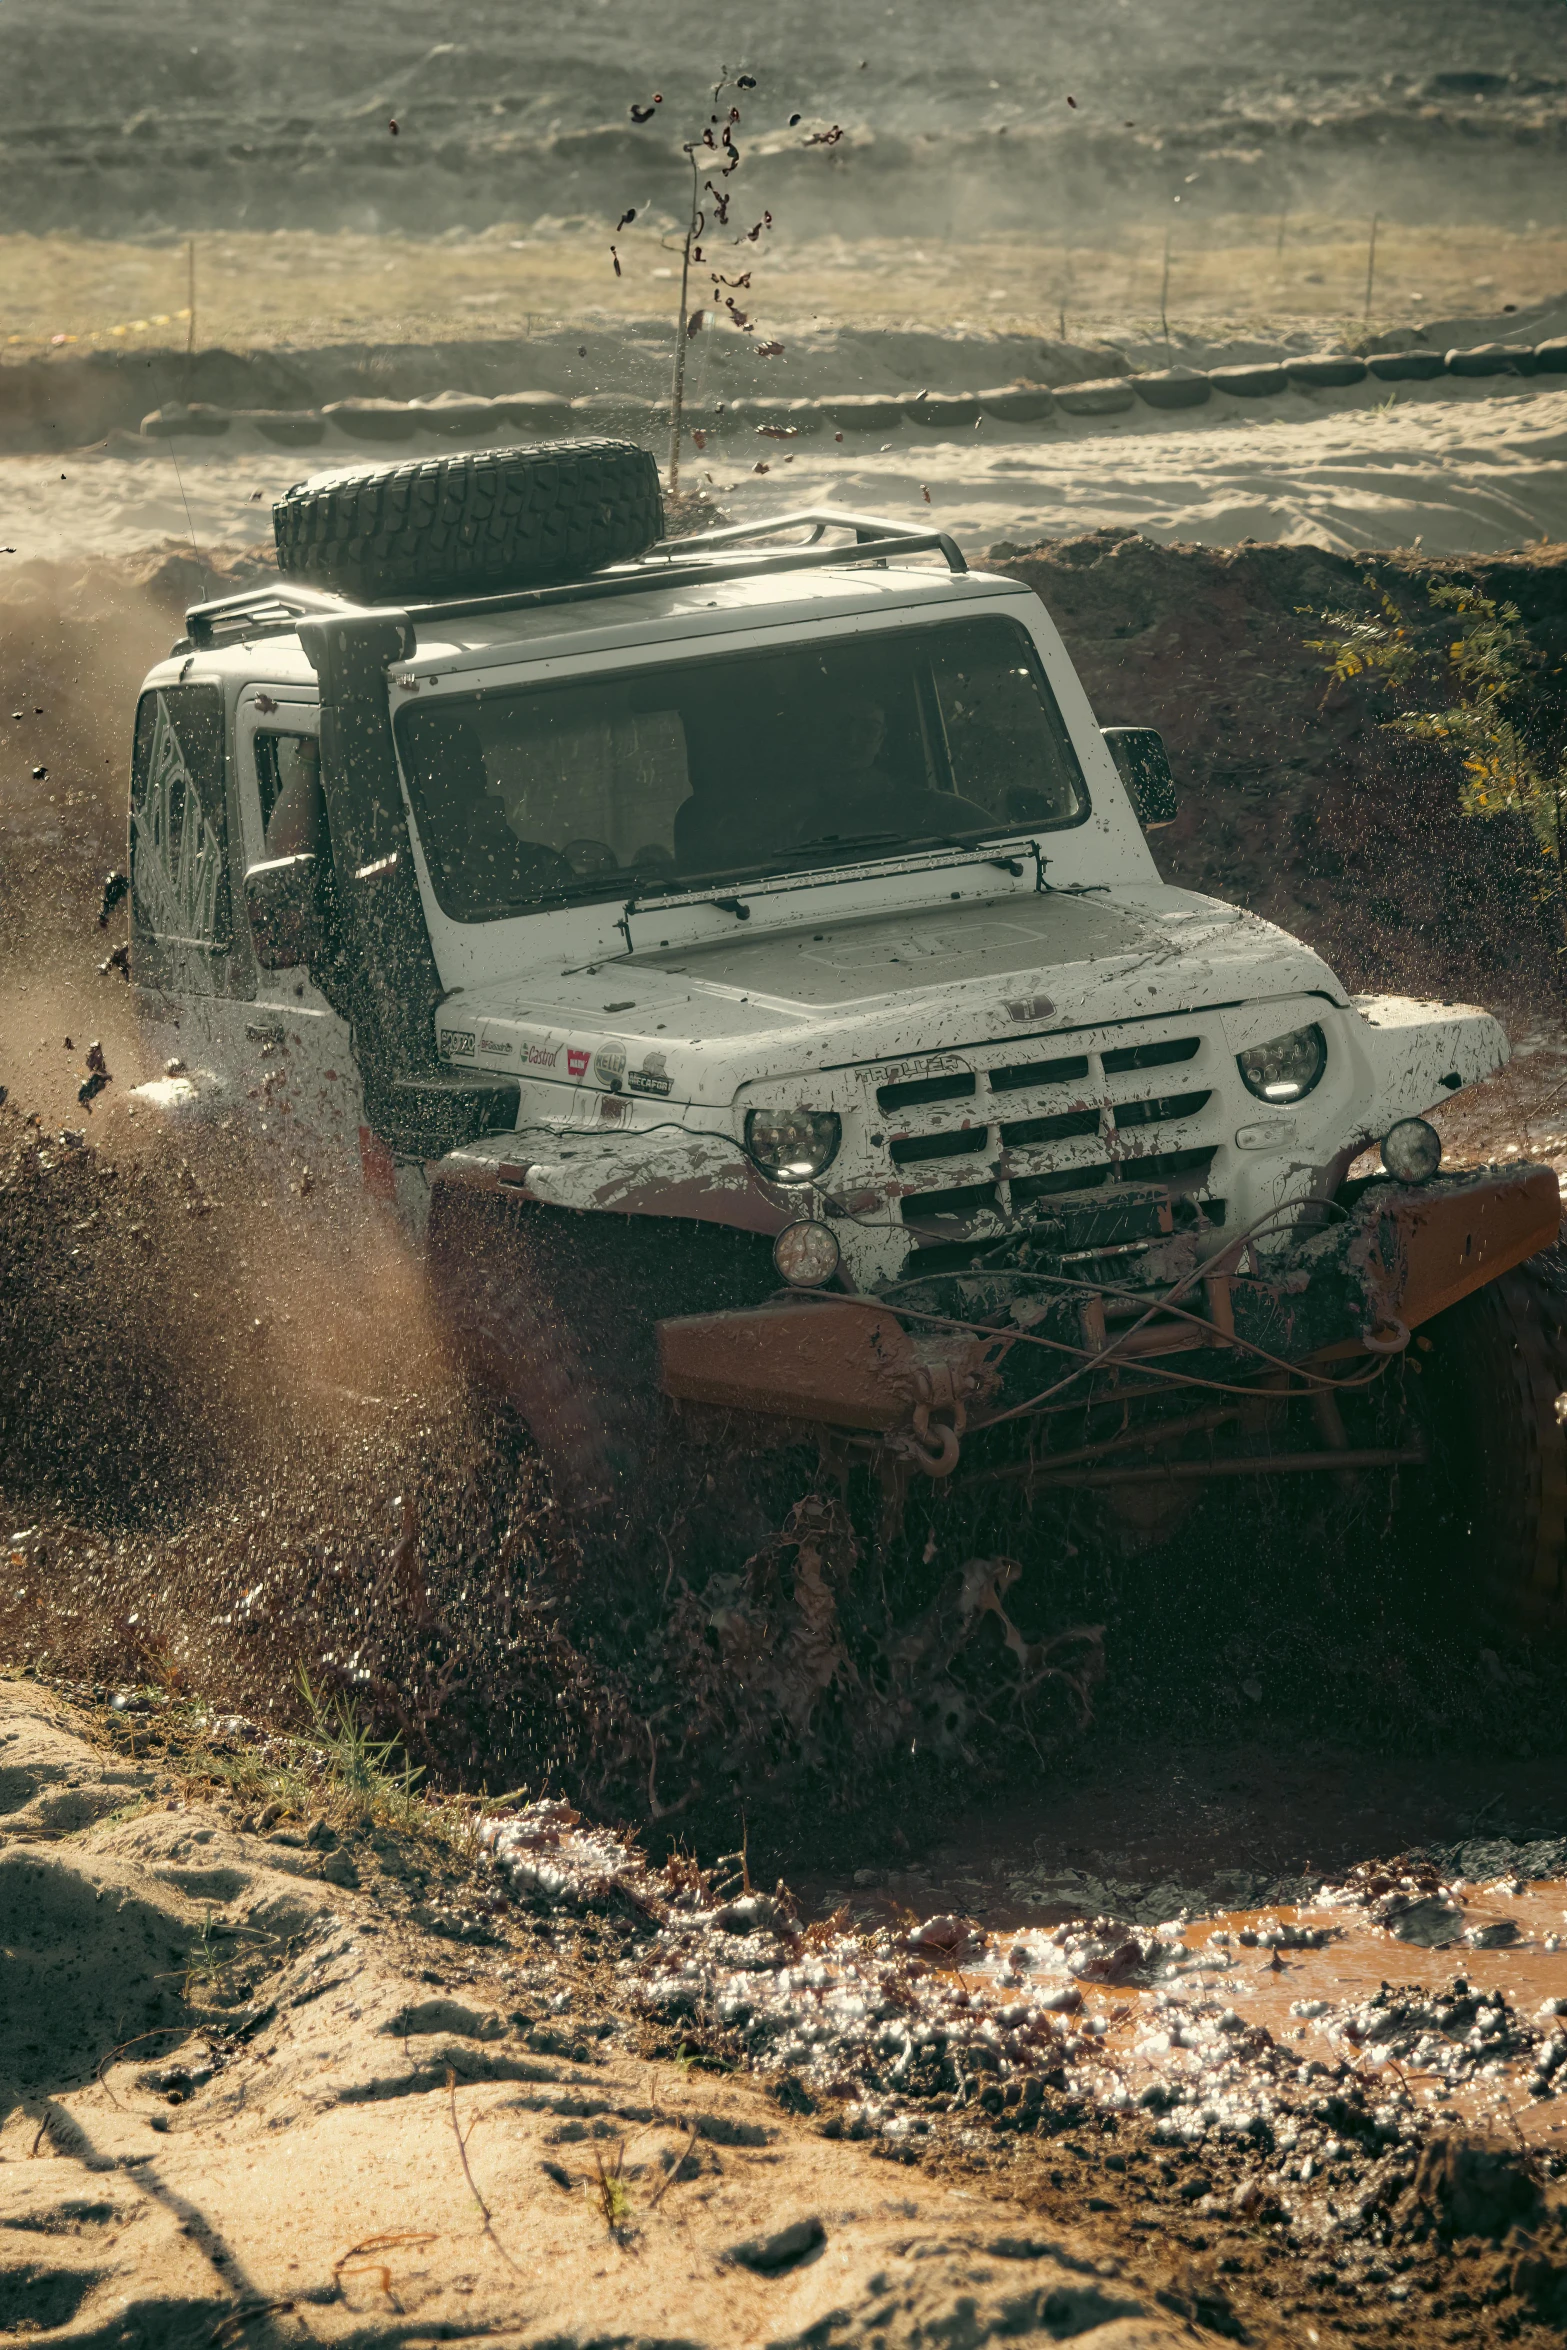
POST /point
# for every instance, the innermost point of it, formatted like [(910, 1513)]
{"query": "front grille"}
[(1065, 1126), (964, 1199), (1160, 1112), (1027, 1187), (958, 1086), (961, 1145), (1022, 1073), (1151, 1056), (1044, 1128)]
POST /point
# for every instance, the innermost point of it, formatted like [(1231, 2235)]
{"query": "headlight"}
[(1411, 1151), (793, 1145), (1287, 1067), (806, 1253)]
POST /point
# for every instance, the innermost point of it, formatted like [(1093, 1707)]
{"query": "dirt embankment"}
[(1294, 799)]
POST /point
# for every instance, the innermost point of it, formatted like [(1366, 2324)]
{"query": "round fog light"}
[(1412, 1151), (806, 1253)]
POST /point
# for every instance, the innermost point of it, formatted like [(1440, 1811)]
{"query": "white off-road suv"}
[(740, 959)]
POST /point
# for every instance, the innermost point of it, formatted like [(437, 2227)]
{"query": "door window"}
[(179, 820)]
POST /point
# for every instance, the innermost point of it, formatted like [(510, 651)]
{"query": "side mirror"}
[(1144, 766), (283, 901)]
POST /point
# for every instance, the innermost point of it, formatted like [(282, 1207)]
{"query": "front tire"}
[(1494, 1367), (558, 1308)]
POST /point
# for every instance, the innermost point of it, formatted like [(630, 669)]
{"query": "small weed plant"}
[(335, 1773), (1477, 696), (367, 1780)]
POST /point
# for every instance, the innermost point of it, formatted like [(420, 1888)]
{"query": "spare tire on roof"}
[(470, 525)]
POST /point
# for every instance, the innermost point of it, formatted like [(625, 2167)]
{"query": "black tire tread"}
[(472, 524), (1506, 1365), (593, 1430)]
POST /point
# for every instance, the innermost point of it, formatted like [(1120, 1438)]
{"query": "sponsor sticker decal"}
[(652, 1077), (495, 1048), (609, 1065), (577, 1058), (543, 1056), (458, 1041)]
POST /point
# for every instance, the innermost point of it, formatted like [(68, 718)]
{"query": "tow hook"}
[(933, 1444)]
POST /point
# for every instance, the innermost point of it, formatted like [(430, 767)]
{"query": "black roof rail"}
[(260, 611)]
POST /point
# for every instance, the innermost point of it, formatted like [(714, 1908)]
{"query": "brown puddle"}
[(1333, 1986)]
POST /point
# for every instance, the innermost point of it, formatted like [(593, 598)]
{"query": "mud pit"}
[(201, 1503), (334, 2067)]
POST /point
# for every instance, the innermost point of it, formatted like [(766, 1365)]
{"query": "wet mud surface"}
[(1252, 2127)]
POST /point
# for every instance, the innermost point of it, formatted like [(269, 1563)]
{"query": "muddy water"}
[(1310, 1975)]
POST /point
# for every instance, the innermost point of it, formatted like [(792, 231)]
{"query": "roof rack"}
[(702, 558), (818, 519), (653, 569)]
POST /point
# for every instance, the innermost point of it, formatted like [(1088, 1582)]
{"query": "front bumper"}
[(917, 1365)]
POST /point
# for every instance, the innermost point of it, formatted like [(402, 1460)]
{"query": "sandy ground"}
[(1298, 272), (1452, 468), (363, 2140)]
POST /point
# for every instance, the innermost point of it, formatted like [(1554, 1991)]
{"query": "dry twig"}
[(674, 2171), (179, 2031), (467, 2172), (229, 2328), (385, 2242)]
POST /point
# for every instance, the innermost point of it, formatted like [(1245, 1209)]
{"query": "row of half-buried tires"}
[(476, 524)]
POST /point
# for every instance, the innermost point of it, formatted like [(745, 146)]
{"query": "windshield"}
[(755, 762)]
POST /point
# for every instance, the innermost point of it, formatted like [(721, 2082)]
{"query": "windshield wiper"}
[(843, 840), (767, 869), (906, 841)]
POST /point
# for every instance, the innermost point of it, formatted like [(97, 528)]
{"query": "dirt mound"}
[(1293, 801)]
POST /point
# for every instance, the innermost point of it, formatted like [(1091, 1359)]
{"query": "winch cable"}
[(1112, 1355), (1108, 1358)]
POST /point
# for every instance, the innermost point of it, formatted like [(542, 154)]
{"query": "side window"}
[(179, 819), (288, 783)]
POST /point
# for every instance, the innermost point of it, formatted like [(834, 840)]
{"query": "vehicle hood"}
[(697, 1021)]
